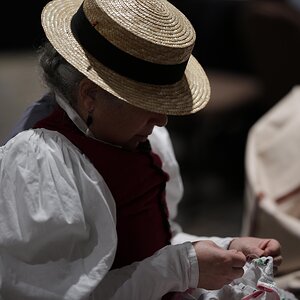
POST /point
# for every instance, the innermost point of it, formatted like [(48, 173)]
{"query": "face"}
[(120, 123)]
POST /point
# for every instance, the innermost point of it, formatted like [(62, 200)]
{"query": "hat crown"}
[(151, 30)]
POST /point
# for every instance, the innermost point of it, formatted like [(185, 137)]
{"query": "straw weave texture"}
[(151, 30)]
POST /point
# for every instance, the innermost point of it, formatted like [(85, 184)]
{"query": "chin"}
[(131, 145)]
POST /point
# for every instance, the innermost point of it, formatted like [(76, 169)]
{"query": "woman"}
[(86, 199)]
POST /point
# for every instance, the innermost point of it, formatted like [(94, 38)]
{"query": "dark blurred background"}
[(250, 51)]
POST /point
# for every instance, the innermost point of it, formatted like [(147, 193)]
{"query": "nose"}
[(159, 119)]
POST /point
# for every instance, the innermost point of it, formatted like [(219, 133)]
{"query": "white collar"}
[(76, 119)]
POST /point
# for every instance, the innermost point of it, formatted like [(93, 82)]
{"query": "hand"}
[(217, 266), (252, 246)]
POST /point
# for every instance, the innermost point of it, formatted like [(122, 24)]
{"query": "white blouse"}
[(57, 227)]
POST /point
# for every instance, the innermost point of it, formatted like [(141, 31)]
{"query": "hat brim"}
[(186, 96)]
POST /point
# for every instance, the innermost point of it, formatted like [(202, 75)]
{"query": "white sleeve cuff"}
[(183, 237), (172, 268)]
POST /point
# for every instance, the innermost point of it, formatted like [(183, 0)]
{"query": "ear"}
[(86, 95)]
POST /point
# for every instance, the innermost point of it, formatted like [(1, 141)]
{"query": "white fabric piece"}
[(256, 283)]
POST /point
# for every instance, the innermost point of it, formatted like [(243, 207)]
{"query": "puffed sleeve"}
[(58, 237), (161, 144), (57, 224)]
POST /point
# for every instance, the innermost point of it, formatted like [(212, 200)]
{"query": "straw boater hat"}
[(138, 50)]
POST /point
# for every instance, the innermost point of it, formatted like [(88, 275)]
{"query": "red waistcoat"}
[(137, 183)]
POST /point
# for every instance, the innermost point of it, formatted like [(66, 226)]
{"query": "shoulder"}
[(44, 156), (29, 147), (37, 143)]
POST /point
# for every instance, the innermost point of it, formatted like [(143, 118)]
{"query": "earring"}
[(89, 119)]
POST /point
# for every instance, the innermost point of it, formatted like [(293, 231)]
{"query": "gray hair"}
[(60, 76)]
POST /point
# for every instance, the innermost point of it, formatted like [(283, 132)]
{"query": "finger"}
[(251, 256), (255, 252), (272, 248), (238, 259), (237, 272), (234, 274), (264, 243), (277, 260)]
